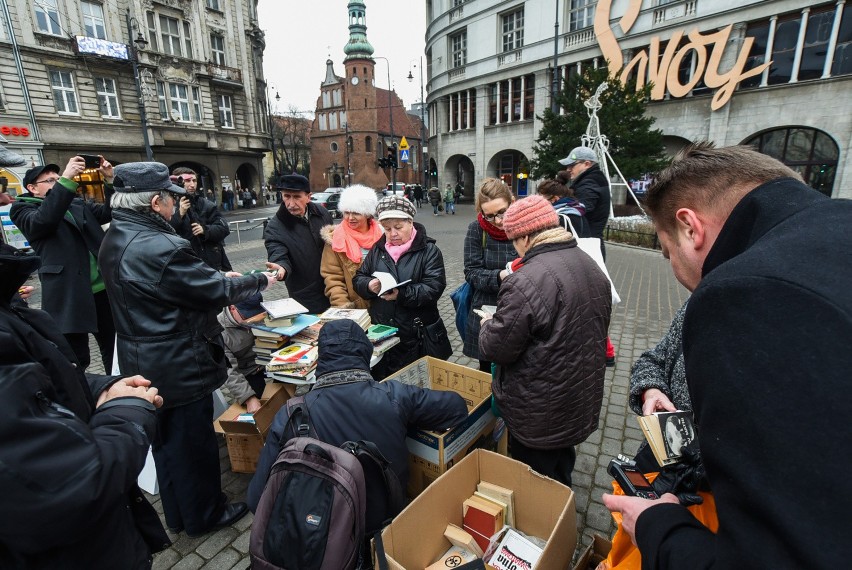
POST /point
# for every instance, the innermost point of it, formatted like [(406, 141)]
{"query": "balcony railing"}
[(457, 73), (456, 14), (225, 74), (580, 38), (675, 10), (509, 57)]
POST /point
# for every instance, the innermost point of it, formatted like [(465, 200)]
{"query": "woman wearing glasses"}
[(487, 251)]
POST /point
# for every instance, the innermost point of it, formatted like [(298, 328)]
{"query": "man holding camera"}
[(65, 231), (199, 221)]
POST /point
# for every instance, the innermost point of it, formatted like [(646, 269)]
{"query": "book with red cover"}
[(482, 521)]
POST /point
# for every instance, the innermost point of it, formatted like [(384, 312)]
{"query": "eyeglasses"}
[(47, 180), (494, 217)]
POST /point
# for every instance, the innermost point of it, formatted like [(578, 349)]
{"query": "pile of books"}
[(282, 312), (488, 533), (383, 337), (360, 316), (294, 364)]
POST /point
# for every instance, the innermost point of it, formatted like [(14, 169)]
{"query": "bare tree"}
[(293, 142)]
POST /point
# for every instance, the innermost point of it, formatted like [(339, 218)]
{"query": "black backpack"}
[(321, 503)]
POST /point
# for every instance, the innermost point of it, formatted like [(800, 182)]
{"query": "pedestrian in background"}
[(435, 199), (591, 188), (487, 251), (199, 221), (450, 200), (548, 340), (65, 231)]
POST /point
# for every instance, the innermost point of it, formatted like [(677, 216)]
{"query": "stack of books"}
[(282, 312), (265, 343), (360, 316), (383, 338), (294, 364)]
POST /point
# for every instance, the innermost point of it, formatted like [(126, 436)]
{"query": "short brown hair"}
[(554, 188), (492, 189), (184, 170), (704, 178)]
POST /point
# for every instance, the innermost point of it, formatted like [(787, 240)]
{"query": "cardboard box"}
[(432, 453), (245, 440), (543, 508), (594, 554)]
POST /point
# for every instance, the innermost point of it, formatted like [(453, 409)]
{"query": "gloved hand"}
[(685, 478)]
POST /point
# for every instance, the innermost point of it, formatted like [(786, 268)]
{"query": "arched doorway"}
[(512, 167), (247, 178), (431, 175), (810, 152), (459, 169)]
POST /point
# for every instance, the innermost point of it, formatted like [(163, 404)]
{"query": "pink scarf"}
[(351, 242), (396, 251)]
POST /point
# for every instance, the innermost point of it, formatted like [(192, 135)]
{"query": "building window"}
[(326, 99), (217, 49), (759, 31), (810, 152), (332, 121), (529, 97), (179, 97), (817, 35), (187, 39), (170, 35), (842, 63), (334, 147), (213, 5), (323, 123), (513, 30), (152, 31), (64, 95), (226, 112), (368, 144), (581, 14), (162, 101), (47, 17), (336, 98), (107, 97), (197, 115), (458, 49), (93, 20)]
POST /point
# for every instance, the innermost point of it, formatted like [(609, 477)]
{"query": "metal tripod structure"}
[(598, 142)]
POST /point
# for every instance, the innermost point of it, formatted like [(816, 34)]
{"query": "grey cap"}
[(144, 177), (9, 158), (578, 154)]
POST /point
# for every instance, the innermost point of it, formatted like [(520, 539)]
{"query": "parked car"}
[(400, 190), (334, 190), (327, 200)]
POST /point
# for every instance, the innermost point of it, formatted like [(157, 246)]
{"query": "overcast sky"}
[(302, 34)]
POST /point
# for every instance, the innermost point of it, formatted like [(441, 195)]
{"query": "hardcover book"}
[(668, 433)]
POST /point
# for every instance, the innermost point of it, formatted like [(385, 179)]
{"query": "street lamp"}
[(139, 44), (422, 125), (390, 113), (272, 130)]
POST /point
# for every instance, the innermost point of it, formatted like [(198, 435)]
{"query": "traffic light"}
[(383, 163), (391, 160)]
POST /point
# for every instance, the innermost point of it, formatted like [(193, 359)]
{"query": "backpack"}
[(314, 513)]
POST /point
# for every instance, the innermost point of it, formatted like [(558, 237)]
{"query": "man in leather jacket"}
[(73, 445), (199, 221), (165, 300)]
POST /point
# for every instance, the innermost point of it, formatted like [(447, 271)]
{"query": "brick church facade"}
[(356, 123)]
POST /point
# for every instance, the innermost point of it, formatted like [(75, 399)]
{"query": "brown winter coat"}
[(338, 270), (548, 338)]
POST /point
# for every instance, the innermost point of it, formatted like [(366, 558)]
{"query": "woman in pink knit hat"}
[(548, 339)]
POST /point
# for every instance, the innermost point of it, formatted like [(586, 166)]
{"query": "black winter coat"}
[(766, 347), (424, 265), (295, 244), (591, 188), (164, 301), (63, 230), (68, 471), (210, 245), (548, 337), (346, 404)]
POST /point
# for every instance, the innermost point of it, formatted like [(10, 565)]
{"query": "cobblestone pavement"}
[(650, 296)]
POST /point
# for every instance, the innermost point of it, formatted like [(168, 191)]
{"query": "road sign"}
[(403, 156), (403, 144)]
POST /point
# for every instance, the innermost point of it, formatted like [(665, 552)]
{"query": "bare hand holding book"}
[(668, 433), (387, 282)]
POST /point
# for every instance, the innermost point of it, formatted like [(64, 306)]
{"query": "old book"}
[(281, 308), (668, 433), (279, 322), (482, 519), (360, 316), (515, 552), (293, 356), (500, 495), (387, 281), (383, 346), (377, 333), (453, 557), (460, 537)]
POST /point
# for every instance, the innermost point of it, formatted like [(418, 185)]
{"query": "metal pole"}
[(134, 59), (16, 52), (271, 134), (422, 131), (555, 88)]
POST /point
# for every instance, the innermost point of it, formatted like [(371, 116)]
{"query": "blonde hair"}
[(492, 189)]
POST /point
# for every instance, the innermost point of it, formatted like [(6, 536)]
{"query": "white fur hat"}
[(359, 199)]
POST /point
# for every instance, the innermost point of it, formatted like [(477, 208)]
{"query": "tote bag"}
[(592, 247)]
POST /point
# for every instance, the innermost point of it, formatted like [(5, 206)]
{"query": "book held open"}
[(668, 433)]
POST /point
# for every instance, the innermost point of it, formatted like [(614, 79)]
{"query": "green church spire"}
[(357, 47)]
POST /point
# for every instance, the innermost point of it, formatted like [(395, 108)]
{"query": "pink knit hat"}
[(528, 216)]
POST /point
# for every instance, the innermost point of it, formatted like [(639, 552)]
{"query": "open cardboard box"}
[(244, 439), (595, 553), (543, 508), (432, 453)]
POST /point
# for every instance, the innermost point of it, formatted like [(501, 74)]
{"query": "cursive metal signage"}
[(661, 69)]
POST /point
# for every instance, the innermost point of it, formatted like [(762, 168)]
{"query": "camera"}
[(631, 480), (92, 160)]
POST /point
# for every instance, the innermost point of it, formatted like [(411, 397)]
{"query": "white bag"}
[(592, 247)]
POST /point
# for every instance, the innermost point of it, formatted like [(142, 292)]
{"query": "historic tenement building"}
[(356, 122), (67, 85), (776, 74)]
